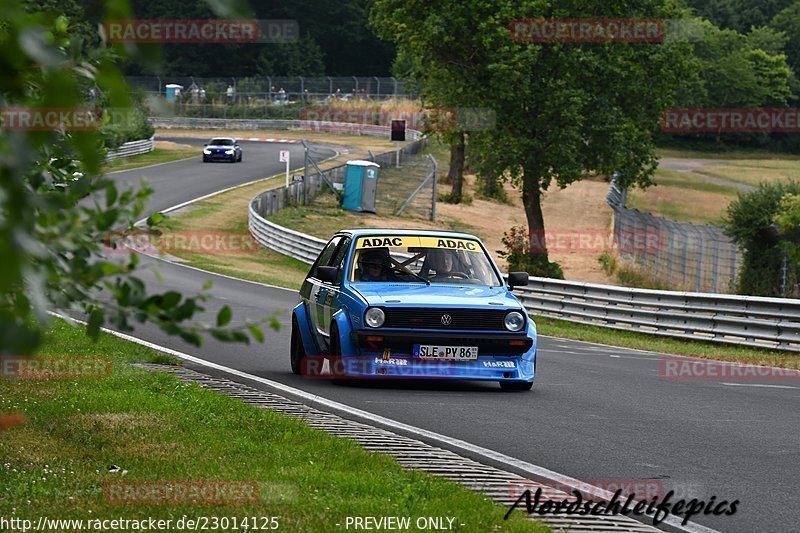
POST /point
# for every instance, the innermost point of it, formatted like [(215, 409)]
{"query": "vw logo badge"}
[(447, 320)]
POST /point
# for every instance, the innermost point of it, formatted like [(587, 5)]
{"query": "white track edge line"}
[(388, 422)]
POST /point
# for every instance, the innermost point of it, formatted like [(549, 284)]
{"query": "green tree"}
[(788, 22), (747, 222), (57, 208), (739, 15), (562, 109), (737, 71)]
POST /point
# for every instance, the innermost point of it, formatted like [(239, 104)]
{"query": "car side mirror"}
[(517, 279), (327, 274), (206, 144)]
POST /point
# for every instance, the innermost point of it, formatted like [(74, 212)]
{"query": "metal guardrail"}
[(131, 148), (276, 124), (740, 320), (283, 240)]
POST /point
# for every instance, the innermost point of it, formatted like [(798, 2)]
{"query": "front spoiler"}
[(485, 368)]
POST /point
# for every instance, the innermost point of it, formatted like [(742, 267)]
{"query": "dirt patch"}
[(578, 210), (172, 146)]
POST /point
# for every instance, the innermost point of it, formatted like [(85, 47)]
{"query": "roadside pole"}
[(285, 158), (398, 135)]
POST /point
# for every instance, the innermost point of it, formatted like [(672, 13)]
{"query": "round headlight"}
[(514, 321), (374, 317)]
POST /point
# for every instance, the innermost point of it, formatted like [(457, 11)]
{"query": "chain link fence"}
[(272, 90), (681, 255), (409, 189)]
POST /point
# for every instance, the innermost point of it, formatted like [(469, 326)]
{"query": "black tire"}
[(516, 385), (205, 160), (297, 351), (240, 157), (334, 348)]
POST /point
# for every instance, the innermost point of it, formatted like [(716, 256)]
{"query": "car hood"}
[(417, 294)]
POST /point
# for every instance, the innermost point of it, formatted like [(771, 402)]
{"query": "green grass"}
[(155, 428), (158, 155), (717, 153), (683, 196)]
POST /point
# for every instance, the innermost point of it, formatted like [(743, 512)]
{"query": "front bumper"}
[(221, 156), (483, 369), (388, 354)]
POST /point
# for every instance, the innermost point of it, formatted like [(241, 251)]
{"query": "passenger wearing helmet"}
[(443, 262)]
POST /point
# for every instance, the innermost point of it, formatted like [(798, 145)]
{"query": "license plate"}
[(458, 353)]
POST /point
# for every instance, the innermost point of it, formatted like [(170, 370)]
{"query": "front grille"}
[(461, 319)]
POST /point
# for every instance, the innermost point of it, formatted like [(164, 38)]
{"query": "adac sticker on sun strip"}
[(410, 241)]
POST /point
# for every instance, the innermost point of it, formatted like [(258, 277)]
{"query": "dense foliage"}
[(748, 222), (335, 39), (57, 209)]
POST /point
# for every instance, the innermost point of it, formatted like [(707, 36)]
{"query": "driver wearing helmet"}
[(374, 265)]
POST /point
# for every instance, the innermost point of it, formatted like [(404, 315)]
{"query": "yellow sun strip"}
[(406, 241)]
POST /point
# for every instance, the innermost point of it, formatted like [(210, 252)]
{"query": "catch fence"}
[(682, 255)]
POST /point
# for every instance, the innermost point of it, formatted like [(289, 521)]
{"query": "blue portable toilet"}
[(172, 90), (360, 186)]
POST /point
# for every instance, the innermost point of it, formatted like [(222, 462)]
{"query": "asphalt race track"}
[(596, 413)]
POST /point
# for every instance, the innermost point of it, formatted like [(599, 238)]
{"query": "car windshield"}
[(221, 142), (421, 259)]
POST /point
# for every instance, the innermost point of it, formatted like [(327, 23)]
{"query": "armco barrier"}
[(740, 320), (283, 240), (275, 124), (131, 148)]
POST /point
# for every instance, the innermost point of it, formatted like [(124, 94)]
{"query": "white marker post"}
[(285, 157)]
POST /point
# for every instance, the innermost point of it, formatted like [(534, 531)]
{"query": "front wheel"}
[(297, 351), (516, 385)]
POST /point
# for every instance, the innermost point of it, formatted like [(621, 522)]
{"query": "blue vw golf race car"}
[(412, 304)]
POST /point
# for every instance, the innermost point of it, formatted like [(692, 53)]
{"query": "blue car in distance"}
[(222, 149), (412, 304)]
